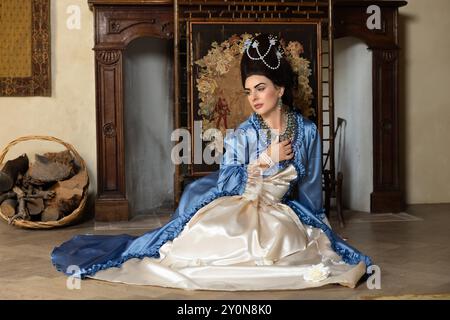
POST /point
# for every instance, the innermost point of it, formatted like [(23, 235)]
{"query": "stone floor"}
[(412, 251)]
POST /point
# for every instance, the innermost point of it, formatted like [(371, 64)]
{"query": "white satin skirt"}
[(246, 242)]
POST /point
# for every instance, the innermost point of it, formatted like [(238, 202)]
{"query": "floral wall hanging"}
[(216, 96)]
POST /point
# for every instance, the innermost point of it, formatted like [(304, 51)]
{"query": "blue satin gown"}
[(91, 253)]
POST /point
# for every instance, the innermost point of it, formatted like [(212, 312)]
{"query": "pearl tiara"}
[(255, 44)]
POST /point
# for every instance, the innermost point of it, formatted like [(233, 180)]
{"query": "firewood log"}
[(7, 195), (78, 181), (68, 193), (51, 213), (25, 181), (44, 170), (66, 200), (34, 205), (64, 157), (11, 170), (8, 207), (22, 212), (43, 194), (19, 192)]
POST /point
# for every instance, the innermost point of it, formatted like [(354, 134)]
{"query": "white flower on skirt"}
[(316, 273)]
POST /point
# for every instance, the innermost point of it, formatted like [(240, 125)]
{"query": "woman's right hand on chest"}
[(280, 151)]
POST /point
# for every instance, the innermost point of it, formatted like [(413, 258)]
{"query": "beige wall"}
[(70, 113), (426, 100)]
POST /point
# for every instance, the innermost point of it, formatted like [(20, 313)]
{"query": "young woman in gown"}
[(239, 228)]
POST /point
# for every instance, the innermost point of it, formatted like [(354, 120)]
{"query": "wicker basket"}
[(68, 219)]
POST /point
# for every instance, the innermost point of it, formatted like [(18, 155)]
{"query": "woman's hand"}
[(279, 151), (276, 152)]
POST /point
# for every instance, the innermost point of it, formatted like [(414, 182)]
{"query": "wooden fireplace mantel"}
[(118, 22)]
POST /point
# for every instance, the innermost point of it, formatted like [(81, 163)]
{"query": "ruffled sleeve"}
[(233, 167), (310, 187)]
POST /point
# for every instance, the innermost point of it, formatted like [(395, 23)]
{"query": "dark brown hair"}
[(283, 76)]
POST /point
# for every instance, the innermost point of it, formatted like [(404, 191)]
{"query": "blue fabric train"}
[(92, 253)]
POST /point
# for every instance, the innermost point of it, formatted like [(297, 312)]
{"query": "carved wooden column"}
[(111, 202), (117, 23), (350, 20), (387, 195)]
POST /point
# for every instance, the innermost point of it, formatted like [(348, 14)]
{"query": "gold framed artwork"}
[(25, 48), (215, 94)]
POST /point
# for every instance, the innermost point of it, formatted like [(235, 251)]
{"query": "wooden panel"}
[(109, 103), (111, 210), (129, 2), (385, 129), (124, 25), (351, 21)]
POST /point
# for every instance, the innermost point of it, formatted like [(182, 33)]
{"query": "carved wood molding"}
[(109, 130), (167, 29), (108, 57), (93, 3), (119, 25), (389, 56)]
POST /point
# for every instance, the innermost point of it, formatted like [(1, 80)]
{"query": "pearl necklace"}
[(288, 132)]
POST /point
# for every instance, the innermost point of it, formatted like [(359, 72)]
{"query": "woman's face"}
[(262, 94)]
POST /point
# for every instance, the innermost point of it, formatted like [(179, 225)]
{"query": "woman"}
[(239, 228)]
